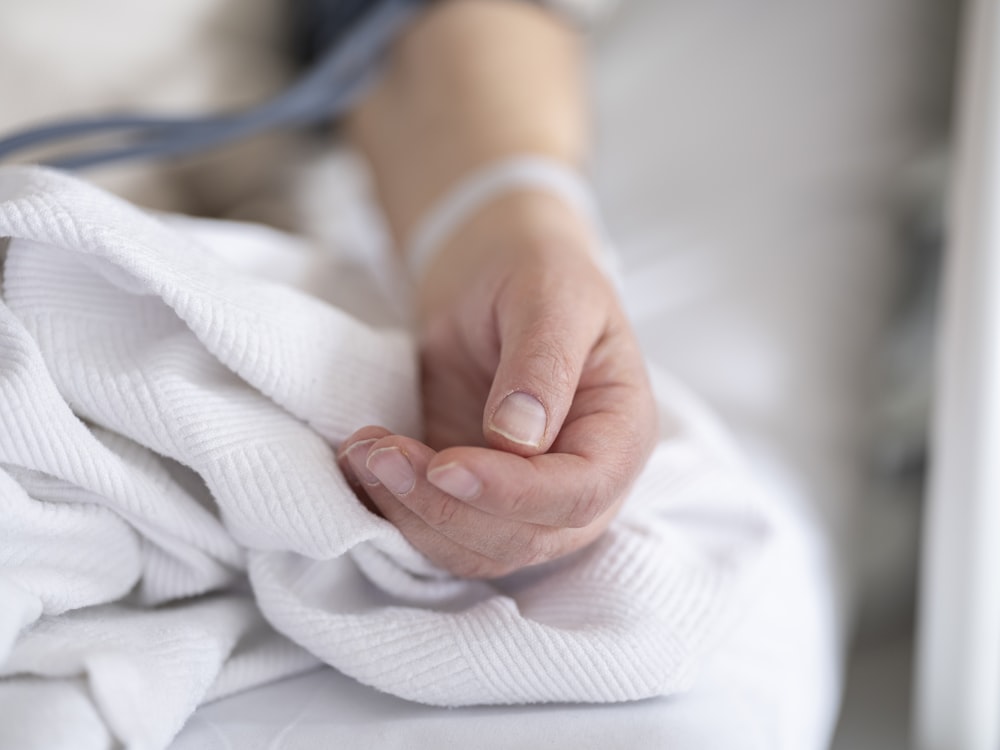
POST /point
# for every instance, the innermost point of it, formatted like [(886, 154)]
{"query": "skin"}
[(513, 309)]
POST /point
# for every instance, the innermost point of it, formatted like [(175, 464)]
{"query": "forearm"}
[(538, 414), (471, 82)]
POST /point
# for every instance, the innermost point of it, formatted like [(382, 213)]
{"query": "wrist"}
[(470, 83), (526, 231)]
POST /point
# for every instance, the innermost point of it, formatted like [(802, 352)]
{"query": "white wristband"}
[(482, 186)]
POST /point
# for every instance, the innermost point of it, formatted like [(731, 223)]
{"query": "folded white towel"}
[(167, 426)]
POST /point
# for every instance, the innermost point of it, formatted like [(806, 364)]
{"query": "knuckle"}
[(537, 547), (441, 512), (553, 364), (520, 501), (583, 513), (589, 505)]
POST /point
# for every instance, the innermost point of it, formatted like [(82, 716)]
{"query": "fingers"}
[(547, 330), (440, 550), (453, 534), (483, 512), (559, 489), (604, 442), (603, 445)]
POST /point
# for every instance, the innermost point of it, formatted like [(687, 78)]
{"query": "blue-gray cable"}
[(324, 92)]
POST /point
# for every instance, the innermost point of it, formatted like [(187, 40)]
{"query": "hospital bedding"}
[(749, 163), (718, 271), (170, 423)]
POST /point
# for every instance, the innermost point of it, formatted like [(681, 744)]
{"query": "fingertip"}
[(520, 421), (392, 468), (351, 457), (455, 479), (418, 451), (476, 458), (357, 458), (364, 434)]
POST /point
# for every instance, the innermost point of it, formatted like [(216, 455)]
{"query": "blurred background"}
[(773, 172)]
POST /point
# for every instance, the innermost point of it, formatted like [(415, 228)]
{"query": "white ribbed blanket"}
[(167, 429)]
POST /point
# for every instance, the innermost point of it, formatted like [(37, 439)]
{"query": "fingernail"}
[(392, 470), (456, 480), (356, 456), (520, 418)]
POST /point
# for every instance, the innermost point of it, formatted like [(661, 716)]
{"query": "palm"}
[(484, 504), (459, 356)]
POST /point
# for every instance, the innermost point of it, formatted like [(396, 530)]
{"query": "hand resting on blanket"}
[(538, 411)]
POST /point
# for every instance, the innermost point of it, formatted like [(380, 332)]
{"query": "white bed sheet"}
[(748, 161)]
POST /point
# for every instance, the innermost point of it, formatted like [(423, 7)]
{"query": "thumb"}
[(546, 332)]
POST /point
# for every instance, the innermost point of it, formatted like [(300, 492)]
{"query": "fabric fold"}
[(168, 423)]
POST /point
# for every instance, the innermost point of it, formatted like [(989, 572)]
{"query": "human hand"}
[(538, 410)]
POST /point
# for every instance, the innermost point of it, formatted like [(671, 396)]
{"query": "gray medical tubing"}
[(326, 91)]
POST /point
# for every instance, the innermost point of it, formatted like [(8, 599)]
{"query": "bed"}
[(748, 162), (755, 222)]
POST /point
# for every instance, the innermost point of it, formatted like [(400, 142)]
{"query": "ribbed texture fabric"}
[(167, 428)]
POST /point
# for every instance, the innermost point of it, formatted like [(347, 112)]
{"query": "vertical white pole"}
[(957, 688)]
